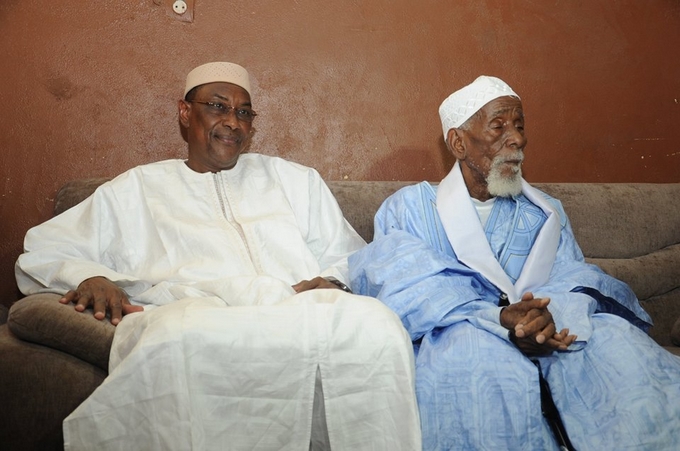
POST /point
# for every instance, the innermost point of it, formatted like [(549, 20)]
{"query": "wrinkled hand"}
[(532, 328), (103, 295), (317, 282)]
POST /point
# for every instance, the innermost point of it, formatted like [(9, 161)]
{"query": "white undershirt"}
[(483, 209)]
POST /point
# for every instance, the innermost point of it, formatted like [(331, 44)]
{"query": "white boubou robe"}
[(225, 354)]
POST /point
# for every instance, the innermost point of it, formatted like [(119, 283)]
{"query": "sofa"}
[(52, 357)]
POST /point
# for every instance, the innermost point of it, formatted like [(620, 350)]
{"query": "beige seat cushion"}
[(41, 319)]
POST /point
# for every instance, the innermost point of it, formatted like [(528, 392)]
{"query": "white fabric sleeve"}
[(329, 236), (62, 252)]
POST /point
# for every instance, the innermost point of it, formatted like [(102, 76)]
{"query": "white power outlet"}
[(180, 7)]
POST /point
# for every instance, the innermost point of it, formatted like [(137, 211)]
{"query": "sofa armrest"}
[(675, 333), (42, 319)]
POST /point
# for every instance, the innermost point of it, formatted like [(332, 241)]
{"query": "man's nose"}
[(516, 138), (229, 119)]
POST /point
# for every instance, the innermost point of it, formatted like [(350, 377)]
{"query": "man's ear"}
[(184, 108), (455, 144)]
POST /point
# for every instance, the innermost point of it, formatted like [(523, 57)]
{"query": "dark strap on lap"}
[(551, 414)]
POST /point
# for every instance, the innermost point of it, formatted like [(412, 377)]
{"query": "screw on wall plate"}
[(180, 7)]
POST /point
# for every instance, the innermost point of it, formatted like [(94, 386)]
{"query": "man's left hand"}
[(317, 282)]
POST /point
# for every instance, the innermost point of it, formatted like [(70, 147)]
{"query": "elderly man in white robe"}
[(224, 275), (519, 343)]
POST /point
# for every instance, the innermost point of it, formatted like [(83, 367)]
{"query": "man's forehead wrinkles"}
[(507, 110)]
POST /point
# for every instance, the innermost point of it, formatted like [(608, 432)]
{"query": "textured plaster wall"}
[(349, 87)]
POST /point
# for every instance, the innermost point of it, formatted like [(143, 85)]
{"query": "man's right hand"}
[(532, 328), (104, 296)]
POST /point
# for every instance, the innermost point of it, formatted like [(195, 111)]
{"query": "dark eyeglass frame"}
[(243, 114)]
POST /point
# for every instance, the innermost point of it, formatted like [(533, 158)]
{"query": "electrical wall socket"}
[(182, 10), (180, 6)]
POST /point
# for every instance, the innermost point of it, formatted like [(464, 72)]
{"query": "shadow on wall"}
[(399, 165)]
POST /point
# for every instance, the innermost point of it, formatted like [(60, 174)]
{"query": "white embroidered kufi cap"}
[(218, 72), (462, 104)]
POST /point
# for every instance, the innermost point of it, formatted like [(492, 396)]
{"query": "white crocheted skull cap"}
[(462, 104)]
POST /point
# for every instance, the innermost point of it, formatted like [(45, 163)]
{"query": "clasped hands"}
[(532, 328), (105, 296)]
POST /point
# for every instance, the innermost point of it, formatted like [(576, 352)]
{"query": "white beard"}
[(500, 185)]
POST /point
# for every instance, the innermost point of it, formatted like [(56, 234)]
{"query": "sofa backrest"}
[(610, 220), (360, 201), (620, 220)]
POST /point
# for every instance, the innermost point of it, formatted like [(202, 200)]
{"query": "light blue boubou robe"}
[(433, 263)]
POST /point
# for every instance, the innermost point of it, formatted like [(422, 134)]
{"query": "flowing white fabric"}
[(225, 355), (196, 375)]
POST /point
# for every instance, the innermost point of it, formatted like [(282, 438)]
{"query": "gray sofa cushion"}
[(663, 263), (40, 387), (40, 319)]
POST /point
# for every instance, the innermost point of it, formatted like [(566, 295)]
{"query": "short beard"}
[(500, 185)]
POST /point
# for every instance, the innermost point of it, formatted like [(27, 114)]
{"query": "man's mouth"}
[(227, 139), (515, 159)]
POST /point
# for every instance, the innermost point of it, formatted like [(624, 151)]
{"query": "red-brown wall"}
[(352, 88)]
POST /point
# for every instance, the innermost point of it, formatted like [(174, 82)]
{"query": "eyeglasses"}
[(243, 114)]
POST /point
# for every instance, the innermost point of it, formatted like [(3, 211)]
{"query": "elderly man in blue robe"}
[(519, 343)]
